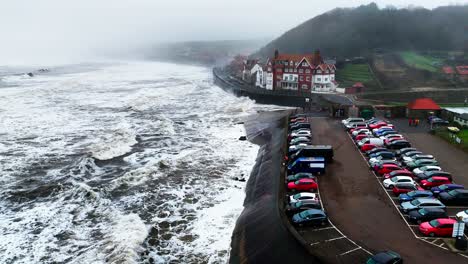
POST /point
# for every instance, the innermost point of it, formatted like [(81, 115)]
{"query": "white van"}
[(376, 141), (352, 120)]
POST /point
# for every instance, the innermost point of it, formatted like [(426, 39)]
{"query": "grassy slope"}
[(415, 60), (353, 73)]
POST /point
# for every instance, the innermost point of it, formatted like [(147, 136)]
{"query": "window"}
[(305, 86), (319, 79), (286, 70), (307, 71), (301, 71), (305, 64), (332, 78), (301, 78), (326, 79), (295, 70), (319, 71), (308, 79), (287, 64)]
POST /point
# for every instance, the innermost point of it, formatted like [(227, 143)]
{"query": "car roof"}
[(390, 165), (452, 185), (428, 200), (401, 171), (446, 220), (306, 180), (437, 172), (423, 191), (439, 178), (308, 194), (437, 210), (402, 184), (402, 177), (315, 211)]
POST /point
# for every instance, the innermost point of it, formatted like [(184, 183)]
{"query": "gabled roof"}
[(312, 59), (423, 104)]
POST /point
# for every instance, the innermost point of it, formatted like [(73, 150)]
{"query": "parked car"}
[(298, 207), (300, 130), (385, 257), (367, 147), (426, 168), (434, 182), (446, 188), (301, 133), (300, 175), (375, 150), (390, 183), (387, 168), (325, 151), (378, 125), (294, 148), (303, 185), (439, 121), (420, 163), (352, 120), (361, 137), (310, 217), (417, 157), (426, 214), (398, 173), (391, 140), (355, 125), (362, 130), (388, 132), (375, 141), (404, 187), (375, 163), (407, 197), (419, 203), (299, 125), (403, 151), (303, 197), (385, 154), (299, 140), (454, 197), (410, 153), (398, 144), (428, 174), (438, 227), (390, 136), (298, 119), (307, 164), (378, 132)]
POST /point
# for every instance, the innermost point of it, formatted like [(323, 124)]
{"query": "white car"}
[(463, 215), (426, 168), (351, 120), (417, 157), (391, 136), (363, 130), (373, 161), (303, 196), (389, 183), (297, 147), (301, 133)]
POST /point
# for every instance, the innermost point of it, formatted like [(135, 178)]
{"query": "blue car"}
[(406, 197), (384, 154), (446, 188), (310, 217), (381, 130)]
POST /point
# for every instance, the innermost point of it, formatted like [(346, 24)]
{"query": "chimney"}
[(318, 57), (276, 54)]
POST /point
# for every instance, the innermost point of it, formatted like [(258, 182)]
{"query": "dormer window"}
[(305, 64), (319, 71)]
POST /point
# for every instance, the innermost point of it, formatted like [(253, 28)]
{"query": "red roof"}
[(423, 104), (448, 70), (462, 70), (358, 84)]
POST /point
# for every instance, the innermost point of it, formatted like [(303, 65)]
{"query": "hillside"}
[(362, 30)]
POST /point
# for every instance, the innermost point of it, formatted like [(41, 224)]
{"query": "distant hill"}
[(360, 31)]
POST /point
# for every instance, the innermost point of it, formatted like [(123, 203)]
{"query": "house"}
[(462, 120), (257, 75), (422, 108), (449, 113), (462, 72), (300, 72), (247, 70)]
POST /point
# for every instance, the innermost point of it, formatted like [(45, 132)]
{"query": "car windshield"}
[(411, 194), (394, 179), (298, 204), (297, 196), (434, 223), (443, 187), (304, 214), (453, 192), (430, 180), (415, 202), (297, 182), (422, 211)]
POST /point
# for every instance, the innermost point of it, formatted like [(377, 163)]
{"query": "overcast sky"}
[(66, 30)]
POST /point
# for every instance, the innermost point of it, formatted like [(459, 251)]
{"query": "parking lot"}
[(363, 210)]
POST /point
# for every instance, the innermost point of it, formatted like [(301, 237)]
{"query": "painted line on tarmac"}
[(381, 185), (463, 255), (325, 228), (349, 251), (333, 239)]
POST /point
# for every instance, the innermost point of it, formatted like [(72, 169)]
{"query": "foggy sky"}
[(61, 30)]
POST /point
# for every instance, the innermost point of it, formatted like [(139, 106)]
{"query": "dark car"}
[(300, 175), (454, 197), (310, 217), (426, 214), (384, 154), (410, 153), (298, 207), (446, 188), (439, 121), (428, 174), (398, 144), (388, 132), (403, 151), (385, 257), (300, 125), (375, 150), (407, 197), (420, 163)]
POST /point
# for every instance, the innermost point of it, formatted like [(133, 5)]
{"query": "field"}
[(463, 135), (353, 73), (417, 61)]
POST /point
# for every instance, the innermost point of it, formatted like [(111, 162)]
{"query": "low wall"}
[(440, 96)]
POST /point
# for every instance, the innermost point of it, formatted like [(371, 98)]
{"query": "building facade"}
[(305, 73)]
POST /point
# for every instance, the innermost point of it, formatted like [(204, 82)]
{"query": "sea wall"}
[(261, 234)]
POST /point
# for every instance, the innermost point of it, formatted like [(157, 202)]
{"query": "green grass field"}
[(353, 73), (415, 60), (463, 135)]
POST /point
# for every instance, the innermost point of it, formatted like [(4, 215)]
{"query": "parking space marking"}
[(349, 251), (333, 239), (325, 228), (463, 255)]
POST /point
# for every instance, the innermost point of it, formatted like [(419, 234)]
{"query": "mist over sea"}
[(131, 162)]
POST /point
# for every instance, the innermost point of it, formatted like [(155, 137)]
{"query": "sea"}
[(120, 162)]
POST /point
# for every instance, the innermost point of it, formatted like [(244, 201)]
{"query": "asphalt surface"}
[(360, 208)]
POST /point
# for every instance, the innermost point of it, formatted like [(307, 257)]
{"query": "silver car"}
[(422, 203)]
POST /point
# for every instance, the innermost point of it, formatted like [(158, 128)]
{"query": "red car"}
[(405, 188), (437, 227), (434, 182), (387, 168), (377, 125), (398, 173), (367, 147), (388, 141), (303, 185), (299, 119), (357, 128), (360, 136)]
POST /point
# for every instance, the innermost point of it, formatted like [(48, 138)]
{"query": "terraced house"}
[(305, 72)]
